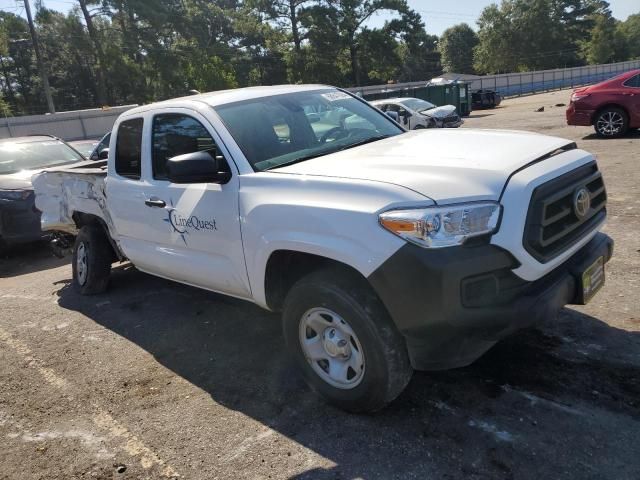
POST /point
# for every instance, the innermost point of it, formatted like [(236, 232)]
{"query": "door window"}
[(129, 148), (633, 82), (176, 134)]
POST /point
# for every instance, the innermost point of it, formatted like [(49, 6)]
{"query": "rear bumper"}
[(452, 305), (19, 221), (579, 117)]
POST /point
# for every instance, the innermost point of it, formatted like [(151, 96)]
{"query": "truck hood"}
[(443, 165)]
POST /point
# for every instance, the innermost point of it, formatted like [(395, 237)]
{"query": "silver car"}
[(415, 113)]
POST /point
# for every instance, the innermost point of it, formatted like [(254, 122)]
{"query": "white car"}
[(415, 113), (384, 250)]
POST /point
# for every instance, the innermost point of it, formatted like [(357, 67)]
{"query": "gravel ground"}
[(154, 379)]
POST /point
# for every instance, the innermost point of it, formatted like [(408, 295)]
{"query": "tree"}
[(606, 43), (99, 52), (523, 35), (351, 16), (456, 48), (630, 31)]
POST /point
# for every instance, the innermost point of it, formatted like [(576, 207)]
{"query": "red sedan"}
[(612, 106)]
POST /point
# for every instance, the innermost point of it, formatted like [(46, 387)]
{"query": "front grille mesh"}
[(552, 223)]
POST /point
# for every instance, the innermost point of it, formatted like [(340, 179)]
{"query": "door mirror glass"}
[(198, 167), (393, 115), (104, 154)]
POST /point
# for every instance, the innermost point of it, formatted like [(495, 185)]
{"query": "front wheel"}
[(92, 258), (342, 338), (611, 122)]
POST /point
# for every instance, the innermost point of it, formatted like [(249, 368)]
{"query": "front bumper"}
[(453, 304), (19, 221)]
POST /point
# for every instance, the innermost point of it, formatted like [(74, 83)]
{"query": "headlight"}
[(445, 226), (14, 194)]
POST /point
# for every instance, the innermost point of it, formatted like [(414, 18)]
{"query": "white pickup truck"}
[(386, 250)]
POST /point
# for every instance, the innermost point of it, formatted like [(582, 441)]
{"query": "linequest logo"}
[(185, 225), (181, 224)]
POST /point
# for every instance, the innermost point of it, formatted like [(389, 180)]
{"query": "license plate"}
[(592, 279)]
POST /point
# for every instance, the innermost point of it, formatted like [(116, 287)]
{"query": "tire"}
[(355, 321), (420, 127), (92, 258), (611, 122)]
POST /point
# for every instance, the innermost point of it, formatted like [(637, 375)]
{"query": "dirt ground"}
[(154, 379)]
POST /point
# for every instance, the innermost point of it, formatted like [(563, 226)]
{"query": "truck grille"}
[(553, 224)]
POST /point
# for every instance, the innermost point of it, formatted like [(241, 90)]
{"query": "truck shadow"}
[(27, 258), (562, 401)]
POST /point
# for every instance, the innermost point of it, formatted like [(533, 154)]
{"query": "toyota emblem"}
[(581, 202)]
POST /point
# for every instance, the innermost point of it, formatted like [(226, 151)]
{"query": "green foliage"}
[(456, 48), (118, 52), (522, 35), (629, 32)]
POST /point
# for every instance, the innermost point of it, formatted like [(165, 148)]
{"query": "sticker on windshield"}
[(334, 96)]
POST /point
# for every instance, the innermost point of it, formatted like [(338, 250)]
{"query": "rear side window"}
[(129, 148), (633, 82), (176, 134)]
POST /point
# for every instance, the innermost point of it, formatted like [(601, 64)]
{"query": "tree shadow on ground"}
[(557, 402)]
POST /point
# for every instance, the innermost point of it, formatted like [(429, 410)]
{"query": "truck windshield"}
[(283, 129), (25, 155)]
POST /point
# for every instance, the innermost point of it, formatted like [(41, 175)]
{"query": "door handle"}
[(155, 202)]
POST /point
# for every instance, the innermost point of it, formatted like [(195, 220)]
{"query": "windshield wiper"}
[(321, 154), (298, 160), (363, 142)]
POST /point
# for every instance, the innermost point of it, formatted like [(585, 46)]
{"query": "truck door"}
[(191, 232)]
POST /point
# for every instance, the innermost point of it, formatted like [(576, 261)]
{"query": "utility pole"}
[(41, 66)]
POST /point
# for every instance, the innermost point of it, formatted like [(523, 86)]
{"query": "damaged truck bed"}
[(72, 190)]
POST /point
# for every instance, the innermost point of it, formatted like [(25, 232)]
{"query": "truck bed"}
[(64, 191)]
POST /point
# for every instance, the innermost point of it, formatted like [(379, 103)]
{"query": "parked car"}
[(415, 113), (385, 250), (482, 99), (20, 158), (612, 106)]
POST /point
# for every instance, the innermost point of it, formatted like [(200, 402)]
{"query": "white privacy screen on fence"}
[(513, 84), (78, 125)]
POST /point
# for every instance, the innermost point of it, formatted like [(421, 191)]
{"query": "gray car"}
[(20, 158), (415, 113)]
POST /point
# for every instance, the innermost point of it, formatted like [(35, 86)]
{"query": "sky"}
[(437, 15)]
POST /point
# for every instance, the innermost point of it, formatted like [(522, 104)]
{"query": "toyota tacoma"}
[(385, 250)]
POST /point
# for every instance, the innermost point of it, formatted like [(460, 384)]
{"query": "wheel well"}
[(81, 219), (604, 107), (286, 267)]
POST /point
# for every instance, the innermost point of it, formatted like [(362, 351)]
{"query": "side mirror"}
[(104, 154), (393, 115), (198, 167)]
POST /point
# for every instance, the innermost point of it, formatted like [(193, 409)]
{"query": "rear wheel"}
[(92, 258), (611, 122), (343, 340)]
